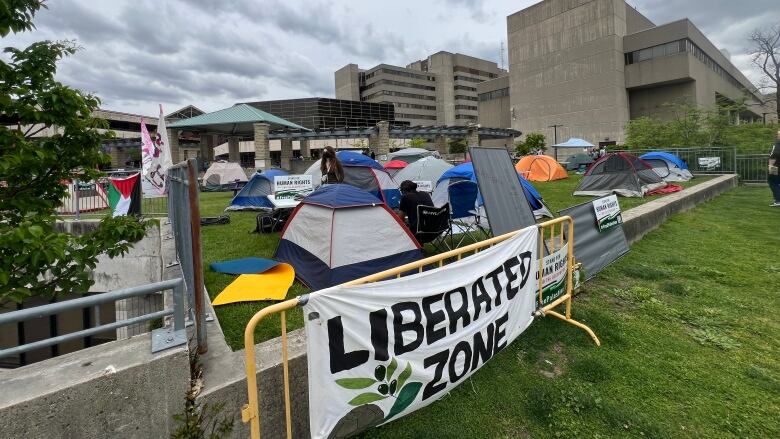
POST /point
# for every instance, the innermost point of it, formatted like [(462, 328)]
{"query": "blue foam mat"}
[(244, 266)]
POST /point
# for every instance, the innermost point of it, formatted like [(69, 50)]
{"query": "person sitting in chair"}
[(410, 199)]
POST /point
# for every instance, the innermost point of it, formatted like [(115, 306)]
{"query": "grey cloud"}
[(476, 9)]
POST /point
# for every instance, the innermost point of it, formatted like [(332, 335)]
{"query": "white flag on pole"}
[(155, 158)]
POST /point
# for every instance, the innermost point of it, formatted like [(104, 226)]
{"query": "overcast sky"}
[(212, 54)]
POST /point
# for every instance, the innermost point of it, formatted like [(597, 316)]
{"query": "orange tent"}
[(540, 168)]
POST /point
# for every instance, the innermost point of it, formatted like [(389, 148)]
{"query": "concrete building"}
[(589, 66), (438, 90)]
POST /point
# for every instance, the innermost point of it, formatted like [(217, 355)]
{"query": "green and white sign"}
[(288, 187), (554, 276), (607, 212)]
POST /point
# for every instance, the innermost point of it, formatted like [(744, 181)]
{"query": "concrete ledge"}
[(639, 221), (118, 389)]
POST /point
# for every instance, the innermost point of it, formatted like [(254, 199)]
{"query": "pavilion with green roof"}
[(240, 120)]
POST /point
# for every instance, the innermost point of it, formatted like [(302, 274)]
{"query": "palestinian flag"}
[(124, 195)]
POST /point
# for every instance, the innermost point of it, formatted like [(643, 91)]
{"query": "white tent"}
[(222, 172), (426, 169), (411, 155)]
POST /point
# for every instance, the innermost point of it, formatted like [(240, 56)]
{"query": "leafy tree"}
[(646, 132), (532, 143), (457, 146), (35, 259), (417, 142)]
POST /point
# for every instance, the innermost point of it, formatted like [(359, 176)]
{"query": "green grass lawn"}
[(221, 242), (690, 344)]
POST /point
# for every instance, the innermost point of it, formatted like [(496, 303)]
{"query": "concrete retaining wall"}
[(639, 221)]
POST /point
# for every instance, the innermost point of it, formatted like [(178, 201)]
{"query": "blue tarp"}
[(663, 155), (341, 195)]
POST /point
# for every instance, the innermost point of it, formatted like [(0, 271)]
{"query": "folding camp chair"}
[(464, 215), (434, 226)]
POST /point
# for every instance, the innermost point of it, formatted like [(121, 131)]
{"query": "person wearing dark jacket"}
[(410, 199), (773, 178), (330, 167)]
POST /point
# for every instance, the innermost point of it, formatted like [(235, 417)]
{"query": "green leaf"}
[(405, 375), (405, 398), (366, 398), (355, 383), (391, 369)]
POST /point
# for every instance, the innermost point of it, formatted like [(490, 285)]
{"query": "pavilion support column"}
[(382, 139), (173, 140), (472, 138), (262, 146), (234, 154), (441, 144), (305, 149), (287, 153), (207, 147)]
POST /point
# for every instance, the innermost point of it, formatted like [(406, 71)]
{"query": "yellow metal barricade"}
[(553, 235)]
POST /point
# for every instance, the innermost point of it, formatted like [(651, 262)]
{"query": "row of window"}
[(466, 107), (399, 94), (415, 106), (422, 76), (414, 116), (680, 46), (466, 98), (495, 94), (464, 87), (474, 71), (465, 117), (468, 78), (397, 83)]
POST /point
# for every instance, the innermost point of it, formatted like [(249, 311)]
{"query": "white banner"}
[(607, 212), (709, 163), (155, 158), (380, 351), (287, 187)]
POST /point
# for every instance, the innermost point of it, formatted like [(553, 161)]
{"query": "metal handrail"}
[(177, 285)]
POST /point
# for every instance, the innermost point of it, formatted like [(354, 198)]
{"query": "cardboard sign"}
[(380, 351), (709, 163), (607, 212), (288, 187), (424, 186)]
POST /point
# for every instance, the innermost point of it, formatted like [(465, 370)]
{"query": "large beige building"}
[(589, 66), (438, 90)]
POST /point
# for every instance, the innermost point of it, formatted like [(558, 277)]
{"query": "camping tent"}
[(621, 173), (425, 169), (577, 161), (254, 195), (222, 173), (574, 142), (365, 173), (394, 166), (540, 168), (410, 155), (443, 191), (667, 166), (340, 233)]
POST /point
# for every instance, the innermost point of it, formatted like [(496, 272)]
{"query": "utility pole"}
[(555, 138)]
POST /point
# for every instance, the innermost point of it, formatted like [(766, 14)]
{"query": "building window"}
[(466, 107), (466, 98), (415, 116), (474, 71), (468, 79), (464, 87), (495, 94), (465, 117), (398, 94), (415, 106), (397, 83)]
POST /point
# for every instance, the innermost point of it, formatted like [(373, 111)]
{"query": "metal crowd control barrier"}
[(162, 338), (250, 412)]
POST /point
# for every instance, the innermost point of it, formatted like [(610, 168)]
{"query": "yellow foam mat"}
[(269, 285)]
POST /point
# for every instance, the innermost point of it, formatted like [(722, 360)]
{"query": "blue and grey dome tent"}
[(254, 195), (668, 166)]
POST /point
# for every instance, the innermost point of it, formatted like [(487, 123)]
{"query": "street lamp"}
[(555, 138)]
